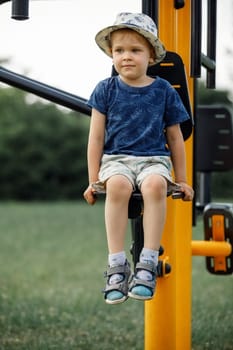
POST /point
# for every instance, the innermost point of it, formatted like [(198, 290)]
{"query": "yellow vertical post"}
[(168, 315)]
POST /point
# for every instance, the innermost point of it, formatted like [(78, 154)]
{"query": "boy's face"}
[(131, 53)]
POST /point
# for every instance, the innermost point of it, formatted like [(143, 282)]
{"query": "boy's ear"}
[(152, 56), (151, 60)]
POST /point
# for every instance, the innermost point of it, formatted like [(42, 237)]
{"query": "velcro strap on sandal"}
[(150, 266), (121, 287), (115, 269)]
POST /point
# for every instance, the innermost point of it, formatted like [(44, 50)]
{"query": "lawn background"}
[(52, 258)]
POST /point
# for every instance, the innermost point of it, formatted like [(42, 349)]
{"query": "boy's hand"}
[(187, 190), (89, 195)]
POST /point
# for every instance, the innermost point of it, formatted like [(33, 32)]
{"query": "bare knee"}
[(118, 187), (154, 186)]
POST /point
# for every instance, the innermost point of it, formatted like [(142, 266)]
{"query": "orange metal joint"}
[(211, 248), (166, 267)]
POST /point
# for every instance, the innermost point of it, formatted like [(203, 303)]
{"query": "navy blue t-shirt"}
[(137, 117)]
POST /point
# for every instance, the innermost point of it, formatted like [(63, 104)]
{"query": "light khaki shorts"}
[(136, 169)]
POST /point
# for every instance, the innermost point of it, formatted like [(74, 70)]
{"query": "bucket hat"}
[(140, 23)]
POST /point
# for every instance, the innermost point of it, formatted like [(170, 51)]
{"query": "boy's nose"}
[(126, 55)]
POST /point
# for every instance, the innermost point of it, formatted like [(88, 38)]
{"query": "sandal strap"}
[(121, 287), (150, 266), (121, 269)]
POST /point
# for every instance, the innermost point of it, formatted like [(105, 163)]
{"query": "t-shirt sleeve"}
[(98, 98), (175, 112)]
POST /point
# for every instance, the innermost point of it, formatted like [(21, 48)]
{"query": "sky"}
[(56, 45)]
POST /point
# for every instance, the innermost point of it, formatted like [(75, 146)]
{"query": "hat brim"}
[(103, 36)]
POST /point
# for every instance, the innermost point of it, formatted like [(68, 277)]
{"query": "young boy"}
[(134, 140)]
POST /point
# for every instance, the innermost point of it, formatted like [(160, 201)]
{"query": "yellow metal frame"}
[(218, 250), (168, 315)]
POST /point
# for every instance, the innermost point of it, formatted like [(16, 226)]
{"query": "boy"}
[(134, 140)]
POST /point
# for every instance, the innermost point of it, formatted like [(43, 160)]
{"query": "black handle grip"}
[(178, 195)]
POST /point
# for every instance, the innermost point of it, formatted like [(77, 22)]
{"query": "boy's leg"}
[(154, 192), (118, 192)]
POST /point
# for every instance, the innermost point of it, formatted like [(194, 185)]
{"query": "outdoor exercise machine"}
[(168, 315)]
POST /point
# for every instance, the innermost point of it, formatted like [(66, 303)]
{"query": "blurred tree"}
[(42, 149), (212, 96)]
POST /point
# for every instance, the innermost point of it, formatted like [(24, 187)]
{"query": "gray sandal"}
[(118, 292), (147, 292)]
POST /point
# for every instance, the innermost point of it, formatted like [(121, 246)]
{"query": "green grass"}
[(52, 258)]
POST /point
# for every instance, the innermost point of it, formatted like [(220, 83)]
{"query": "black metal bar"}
[(45, 91), (211, 40), (205, 189), (196, 29), (207, 63), (150, 8), (20, 9), (195, 140)]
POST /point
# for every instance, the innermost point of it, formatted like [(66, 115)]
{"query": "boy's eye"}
[(119, 50)]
